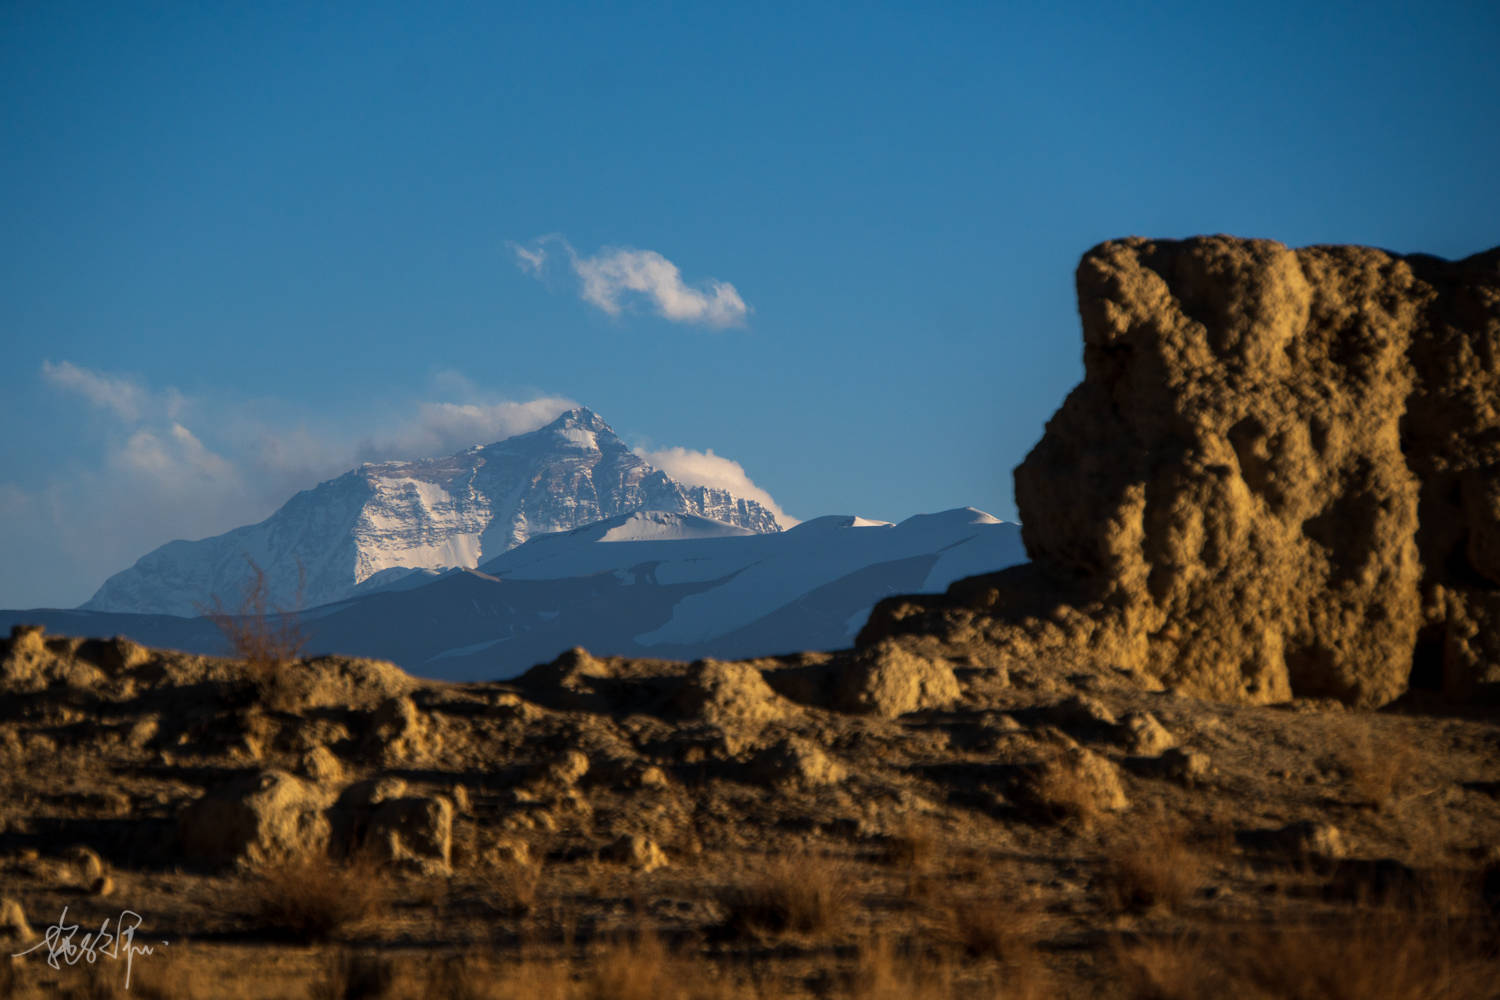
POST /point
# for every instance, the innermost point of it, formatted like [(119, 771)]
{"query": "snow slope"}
[(669, 585), (381, 521)]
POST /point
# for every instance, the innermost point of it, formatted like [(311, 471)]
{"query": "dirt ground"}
[(820, 825)]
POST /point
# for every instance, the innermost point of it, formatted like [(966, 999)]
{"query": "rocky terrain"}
[(1230, 734), (384, 520)]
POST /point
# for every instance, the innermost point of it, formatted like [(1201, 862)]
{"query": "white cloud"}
[(111, 392), (530, 261), (615, 275), (168, 466), (704, 468), (446, 428)]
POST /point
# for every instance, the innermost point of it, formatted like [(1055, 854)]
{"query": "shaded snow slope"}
[(681, 587), (381, 521)]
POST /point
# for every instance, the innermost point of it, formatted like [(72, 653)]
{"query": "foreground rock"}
[(1280, 477), (257, 820)]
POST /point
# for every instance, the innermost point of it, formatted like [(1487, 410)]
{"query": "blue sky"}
[(245, 246)]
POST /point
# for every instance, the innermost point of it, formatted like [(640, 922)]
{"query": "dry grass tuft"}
[(994, 928), (1151, 864), (884, 973), (314, 898), (640, 969), (1376, 767), (1380, 955), (798, 893)]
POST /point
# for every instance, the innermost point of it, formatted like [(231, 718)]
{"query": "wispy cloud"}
[(445, 428), (616, 276), (167, 466), (704, 468), (116, 393)]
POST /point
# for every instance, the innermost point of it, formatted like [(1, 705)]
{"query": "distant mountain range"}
[(383, 520), (483, 563), (648, 583)]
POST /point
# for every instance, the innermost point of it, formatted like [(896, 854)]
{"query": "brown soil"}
[(605, 828)]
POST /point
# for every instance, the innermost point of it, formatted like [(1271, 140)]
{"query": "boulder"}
[(640, 853), (729, 694), (1280, 477), (888, 680), (14, 928), (796, 761), (1142, 733), (255, 820), (416, 830), (400, 733), (1077, 784), (382, 819)]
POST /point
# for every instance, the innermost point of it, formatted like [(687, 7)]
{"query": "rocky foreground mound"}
[(871, 825), (1279, 477)]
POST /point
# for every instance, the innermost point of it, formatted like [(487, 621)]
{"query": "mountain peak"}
[(580, 418), (431, 513)]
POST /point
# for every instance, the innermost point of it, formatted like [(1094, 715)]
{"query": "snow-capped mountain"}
[(375, 524), (647, 583)]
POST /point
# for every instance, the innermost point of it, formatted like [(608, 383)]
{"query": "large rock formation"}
[(1280, 477)]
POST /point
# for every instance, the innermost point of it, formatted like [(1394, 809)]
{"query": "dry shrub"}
[(1151, 864), (1065, 789), (797, 893), (995, 927), (267, 638), (317, 899), (1376, 767)]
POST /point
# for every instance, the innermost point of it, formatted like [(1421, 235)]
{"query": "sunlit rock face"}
[(387, 519), (1279, 477)]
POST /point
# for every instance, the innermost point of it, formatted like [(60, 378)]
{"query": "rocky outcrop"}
[(888, 680), (1279, 477), (259, 819)]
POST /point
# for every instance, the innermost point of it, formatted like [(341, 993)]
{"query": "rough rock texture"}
[(255, 820), (1280, 477), (14, 928), (890, 680), (798, 762)]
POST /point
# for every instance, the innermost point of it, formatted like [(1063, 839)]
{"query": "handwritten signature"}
[(62, 947)]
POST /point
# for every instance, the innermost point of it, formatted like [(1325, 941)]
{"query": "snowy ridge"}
[(642, 583), (383, 518)]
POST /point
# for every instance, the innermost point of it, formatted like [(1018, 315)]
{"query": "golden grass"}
[(315, 898), (993, 927), (1376, 768), (1372, 953), (1150, 864), (799, 893)]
